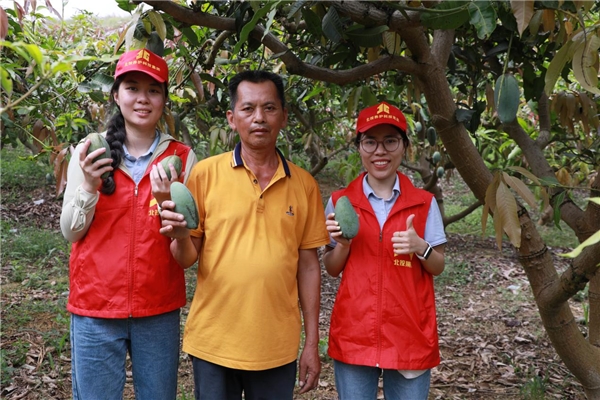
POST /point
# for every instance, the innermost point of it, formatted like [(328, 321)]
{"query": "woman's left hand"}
[(161, 185), (406, 242)]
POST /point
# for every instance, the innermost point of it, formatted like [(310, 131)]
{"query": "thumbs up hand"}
[(407, 242)]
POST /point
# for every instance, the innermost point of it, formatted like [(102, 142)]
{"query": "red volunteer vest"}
[(384, 313), (123, 266)]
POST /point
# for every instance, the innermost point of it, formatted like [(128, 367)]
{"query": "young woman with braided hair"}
[(126, 290)]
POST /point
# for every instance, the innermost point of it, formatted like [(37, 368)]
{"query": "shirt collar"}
[(148, 153), (239, 162), (368, 190)]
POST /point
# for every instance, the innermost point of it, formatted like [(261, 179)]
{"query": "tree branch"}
[(293, 64)]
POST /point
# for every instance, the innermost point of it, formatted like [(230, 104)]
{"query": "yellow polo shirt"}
[(245, 312)]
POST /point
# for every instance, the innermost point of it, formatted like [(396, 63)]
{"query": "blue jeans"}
[(358, 382), (99, 348), (215, 382)]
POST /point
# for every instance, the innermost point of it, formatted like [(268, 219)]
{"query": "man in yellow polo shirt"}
[(261, 222)]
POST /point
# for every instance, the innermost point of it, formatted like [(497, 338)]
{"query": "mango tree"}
[(457, 61)]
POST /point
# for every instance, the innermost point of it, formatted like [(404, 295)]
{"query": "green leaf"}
[(367, 37), (316, 90), (210, 78), (126, 5), (35, 53), (563, 55), (270, 19), (191, 36), (446, 15), (332, 25), (353, 98), (557, 201), (249, 27), (17, 47), (313, 22), (61, 67), (368, 98), (298, 5), (483, 17), (6, 82), (549, 181)]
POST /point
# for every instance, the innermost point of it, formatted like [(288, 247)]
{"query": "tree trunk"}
[(427, 63), (580, 356)]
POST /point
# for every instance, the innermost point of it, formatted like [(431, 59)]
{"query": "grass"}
[(461, 198), (34, 262), (21, 172)]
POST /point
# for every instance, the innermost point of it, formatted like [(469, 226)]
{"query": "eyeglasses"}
[(389, 144)]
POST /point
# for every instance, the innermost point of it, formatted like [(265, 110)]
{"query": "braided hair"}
[(115, 136)]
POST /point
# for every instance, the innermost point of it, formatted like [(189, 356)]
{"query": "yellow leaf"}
[(548, 20), (507, 209), (595, 238), (484, 218), (489, 95), (392, 42), (584, 60), (562, 56), (564, 177), (523, 11), (519, 186), (373, 53), (158, 23), (525, 172), (490, 203)]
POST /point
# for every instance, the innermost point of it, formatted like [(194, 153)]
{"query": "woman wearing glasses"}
[(384, 321)]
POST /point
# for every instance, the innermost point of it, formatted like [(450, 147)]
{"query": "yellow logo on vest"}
[(153, 212), (403, 263)]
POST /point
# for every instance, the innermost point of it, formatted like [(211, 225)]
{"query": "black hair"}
[(116, 135), (257, 76)]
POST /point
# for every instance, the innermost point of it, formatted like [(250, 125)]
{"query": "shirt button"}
[(255, 181)]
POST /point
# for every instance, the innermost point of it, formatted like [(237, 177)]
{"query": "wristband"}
[(427, 252)]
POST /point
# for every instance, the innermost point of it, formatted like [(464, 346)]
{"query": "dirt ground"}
[(493, 345)]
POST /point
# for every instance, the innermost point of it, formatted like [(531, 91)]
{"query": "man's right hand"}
[(173, 224)]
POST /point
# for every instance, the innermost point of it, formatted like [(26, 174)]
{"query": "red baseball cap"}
[(144, 61), (382, 113)]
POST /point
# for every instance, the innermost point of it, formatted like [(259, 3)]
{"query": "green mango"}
[(176, 161), (440, 172), (507, 96), (431, 135), (185, 204), (98, 142), (346, 217)]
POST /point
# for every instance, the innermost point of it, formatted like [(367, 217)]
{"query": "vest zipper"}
[(132, 246), (379, 297)]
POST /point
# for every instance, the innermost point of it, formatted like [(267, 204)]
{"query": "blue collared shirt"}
[(434, 227), (137, 166)]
